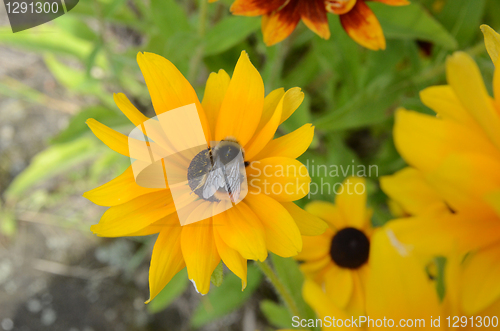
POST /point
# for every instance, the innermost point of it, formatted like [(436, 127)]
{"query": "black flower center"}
[(350, 248)]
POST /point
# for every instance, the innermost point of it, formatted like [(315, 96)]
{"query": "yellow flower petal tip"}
[(492, 42)]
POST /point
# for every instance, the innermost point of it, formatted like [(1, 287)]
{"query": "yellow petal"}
[(291, 145), (113, 139), (119, 142), (425, 141), (320, 302), (263, 136), (409, 188), (433, 236), (242, 106), (165, 223), (215, 91), (242, 230), (166, 260), (308, 224), (117, 191), (282, 234), (480, 280), (200, 253), (444, 101), (339, 285), (316, 269), (292, 100), (281, 178), (492, 42), (328, 212), (393, 267), (168, 87), (464, 180), (129, 110), (315, 247), (232, 259), (465, 78), (134, 215), (351, 202), (271, 101)]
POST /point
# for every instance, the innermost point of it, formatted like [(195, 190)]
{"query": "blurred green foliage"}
[(351, 93)]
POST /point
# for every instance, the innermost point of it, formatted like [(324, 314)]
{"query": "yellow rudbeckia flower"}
[(398, 292), (453, 188), (339, 258), (266, 219)]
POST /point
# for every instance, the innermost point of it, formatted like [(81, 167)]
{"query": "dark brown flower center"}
[(350, 248)]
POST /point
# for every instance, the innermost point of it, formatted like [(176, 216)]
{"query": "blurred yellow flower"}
[(398, 292), (453, 188), (280, 17), (339, 258), (232, 109)]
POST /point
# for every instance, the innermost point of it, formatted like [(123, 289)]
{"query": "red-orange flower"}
[(280, 17)]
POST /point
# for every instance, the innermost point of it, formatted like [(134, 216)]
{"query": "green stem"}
[(279, 287), (198, 53)]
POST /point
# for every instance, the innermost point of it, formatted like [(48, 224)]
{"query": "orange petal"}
[(313, 15), (200, 253), (255, 7), (279, 25), (166, 260), (362, 25), (339, 7), (394, 2)]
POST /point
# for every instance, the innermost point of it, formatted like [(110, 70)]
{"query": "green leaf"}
[(292, 278), (8, 225), (74, 79), (226, 298), (51, 162), (170, 292), (47, 38), (228, 33), (412, 22), (463, 18), (217, 275), (78, 127), (169, 17), (276, 314), (369, 106)]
